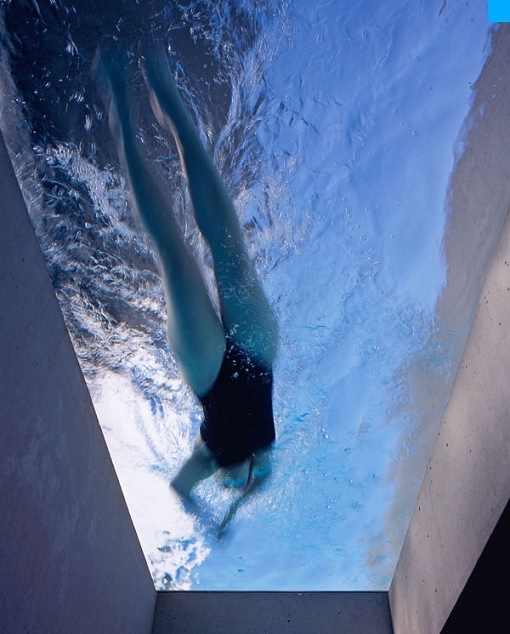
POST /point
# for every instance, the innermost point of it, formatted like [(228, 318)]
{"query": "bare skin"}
[(197, 335)]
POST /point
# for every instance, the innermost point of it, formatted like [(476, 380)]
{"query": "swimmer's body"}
[(226, 360)]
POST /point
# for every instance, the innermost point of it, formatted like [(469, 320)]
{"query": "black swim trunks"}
[(238, 409)]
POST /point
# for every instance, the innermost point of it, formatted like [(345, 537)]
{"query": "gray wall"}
[(272, 613), (70, 559), (467, 484)]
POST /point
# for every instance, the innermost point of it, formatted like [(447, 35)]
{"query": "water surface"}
[(336, 126)]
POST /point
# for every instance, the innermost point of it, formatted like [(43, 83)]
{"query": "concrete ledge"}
[(467, 484), (70, 559), (272, 612)]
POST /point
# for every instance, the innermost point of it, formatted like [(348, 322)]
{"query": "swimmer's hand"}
[(257, 478), (204, 516)]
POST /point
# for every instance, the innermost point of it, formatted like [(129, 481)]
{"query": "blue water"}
[(337, 126)]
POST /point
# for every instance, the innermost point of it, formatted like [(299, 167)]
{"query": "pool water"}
[(337, 126)]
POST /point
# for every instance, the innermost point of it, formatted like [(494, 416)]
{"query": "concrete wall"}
[(70, 560), (272, 612), (467, 484)]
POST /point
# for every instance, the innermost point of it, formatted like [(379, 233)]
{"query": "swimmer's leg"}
[(246, 313), (199, 466), (196, 335)]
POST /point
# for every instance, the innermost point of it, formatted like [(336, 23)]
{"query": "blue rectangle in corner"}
[(499, 10)]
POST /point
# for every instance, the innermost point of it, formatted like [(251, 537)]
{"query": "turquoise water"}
[(337, 127)]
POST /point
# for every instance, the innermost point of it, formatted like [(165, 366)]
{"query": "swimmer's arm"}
[(260, 471)]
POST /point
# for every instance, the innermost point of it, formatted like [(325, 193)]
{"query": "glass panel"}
[(336, 126)]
